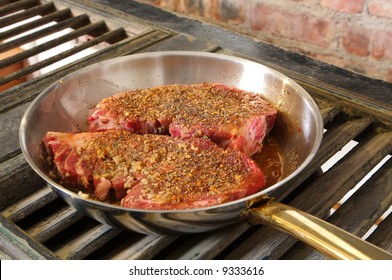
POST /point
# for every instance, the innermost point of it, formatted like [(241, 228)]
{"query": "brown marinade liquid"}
[(270, 161)]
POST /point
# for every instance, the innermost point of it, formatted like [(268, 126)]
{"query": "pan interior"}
[(65, 105)]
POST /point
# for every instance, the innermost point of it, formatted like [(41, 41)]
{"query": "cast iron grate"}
[(50, 34), (36, 223)]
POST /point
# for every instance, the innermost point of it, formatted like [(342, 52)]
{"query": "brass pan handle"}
[(328, 239)]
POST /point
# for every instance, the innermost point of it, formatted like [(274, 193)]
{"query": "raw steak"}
[(151, 171), (230, 117)]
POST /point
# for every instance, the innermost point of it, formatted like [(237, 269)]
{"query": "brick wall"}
[(353, 34)]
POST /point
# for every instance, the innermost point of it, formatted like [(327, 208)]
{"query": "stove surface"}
[(37, 224)]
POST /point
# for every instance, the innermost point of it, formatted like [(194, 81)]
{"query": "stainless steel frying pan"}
[(65, 105)]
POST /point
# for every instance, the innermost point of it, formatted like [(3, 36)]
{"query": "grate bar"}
[(16, 6), (350, 170), (15, 244), (382, 236), (13, 183), (374, 197), (348, 99), (56, 16), (39, 65), (29, 204), (54, 224), (272, 244), (333, 141), (319, 197), (18, 17), (145, 248), (53, 43), (74, 22), (24, 92), (85, 243), (9, 139), (329, 113), (208, 245)]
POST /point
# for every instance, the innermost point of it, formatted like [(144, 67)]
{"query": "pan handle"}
[(328, 239)]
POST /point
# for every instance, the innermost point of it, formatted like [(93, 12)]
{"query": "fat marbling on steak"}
[(151, 171), (230, 117)]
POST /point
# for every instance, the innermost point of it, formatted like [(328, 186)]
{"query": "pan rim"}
[(107, 206)]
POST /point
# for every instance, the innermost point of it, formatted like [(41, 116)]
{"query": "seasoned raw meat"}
[(151, 171), (230, 117)]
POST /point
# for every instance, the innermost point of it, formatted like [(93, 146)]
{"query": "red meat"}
[(151, 171), (230, 117)]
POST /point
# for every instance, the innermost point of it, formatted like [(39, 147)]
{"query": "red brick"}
[(348, 6), (382, 45), (301, 2), (207, 9), (193, 7), (356, 65), (164, 4), (389, 76), (159, 3), (381, 8), (356, 40), (232, 11), (179, 6), (280, 22)]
